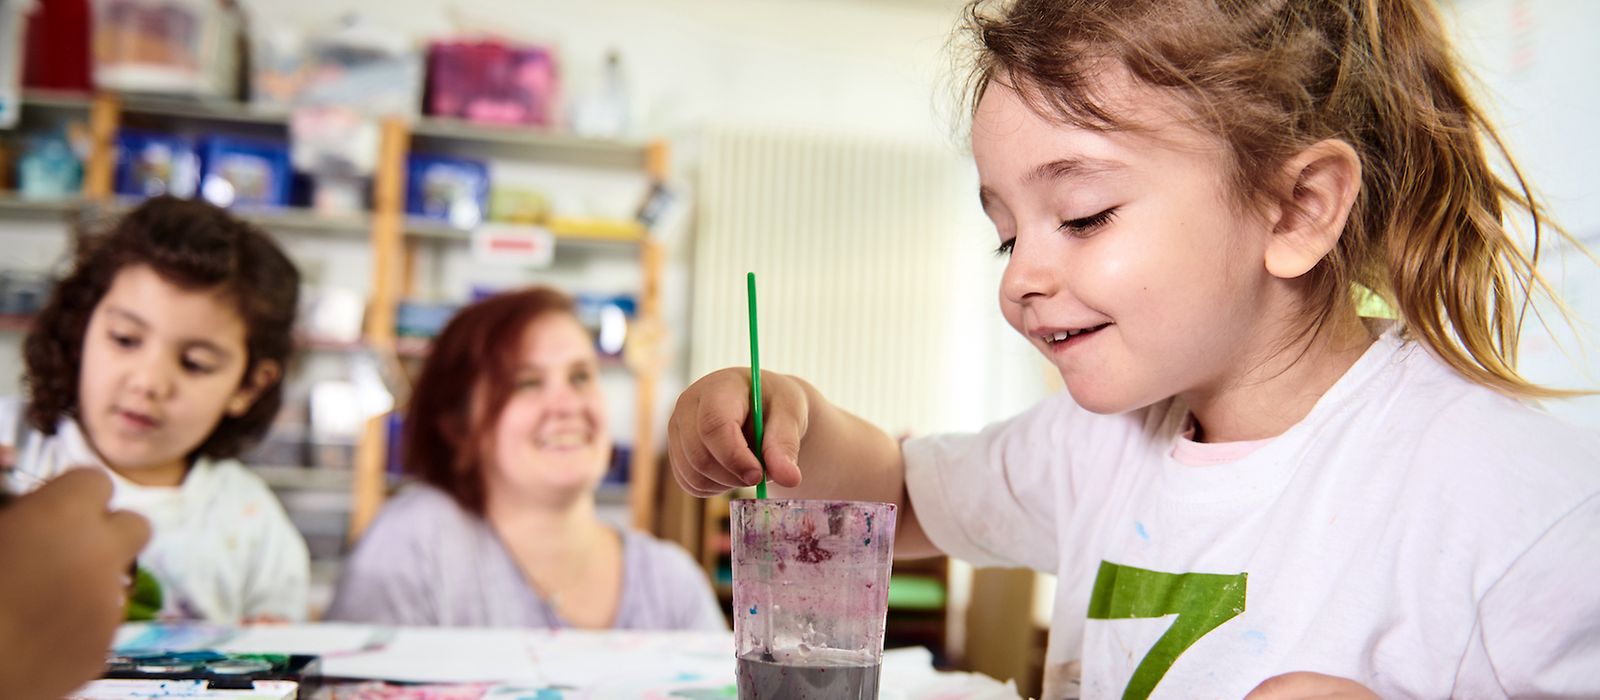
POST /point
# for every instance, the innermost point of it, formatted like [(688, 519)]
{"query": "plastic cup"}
[(810, 592)]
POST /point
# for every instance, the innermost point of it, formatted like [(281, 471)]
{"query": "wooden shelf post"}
[(388, 240), (105, 114), (644, 497), (643, 480)]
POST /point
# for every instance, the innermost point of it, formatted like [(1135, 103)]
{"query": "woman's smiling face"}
[(552, 438)]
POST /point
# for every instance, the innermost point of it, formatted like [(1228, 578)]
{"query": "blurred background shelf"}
[(300, 477), (425, 133), (389, 239), (565, 230), (489, 140), (14, 206)]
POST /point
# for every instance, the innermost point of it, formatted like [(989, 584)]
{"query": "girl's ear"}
[(256, 380), (1320, 186)]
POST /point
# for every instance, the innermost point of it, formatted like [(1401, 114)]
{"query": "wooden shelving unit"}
[(14, 207), (391, 236)]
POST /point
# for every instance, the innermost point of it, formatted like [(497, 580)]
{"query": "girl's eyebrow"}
[(127, 316), (1058, 169), (1071, 167)]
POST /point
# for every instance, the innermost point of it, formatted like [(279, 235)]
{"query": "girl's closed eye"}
[(126, 341), (1088, 225), (529, 382), (1082, 228), (195, 364)]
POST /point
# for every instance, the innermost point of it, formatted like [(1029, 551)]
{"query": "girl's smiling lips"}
[(1061, 337), (136, 420)]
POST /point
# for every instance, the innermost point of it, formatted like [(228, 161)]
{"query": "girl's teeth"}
[(1063, 335)]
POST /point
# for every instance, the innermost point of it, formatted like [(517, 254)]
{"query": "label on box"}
[(512, 244)]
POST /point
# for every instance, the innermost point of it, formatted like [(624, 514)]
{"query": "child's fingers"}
[(8, 456), (131, 532), (677, 462), (693, 466), (90, 490), (719, 427), (696, 484), (698, 460), (77, 488), (689, 479), (1304, 684), (780, 446), (785, 426)]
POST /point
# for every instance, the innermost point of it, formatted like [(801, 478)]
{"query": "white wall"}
[(1537, 62)]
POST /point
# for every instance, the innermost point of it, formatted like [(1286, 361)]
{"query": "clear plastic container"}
[(810, 593)]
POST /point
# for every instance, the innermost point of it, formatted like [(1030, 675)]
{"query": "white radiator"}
[(873, 275)]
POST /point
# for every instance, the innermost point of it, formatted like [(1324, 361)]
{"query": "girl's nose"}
[(152, 379), (1031, 271)]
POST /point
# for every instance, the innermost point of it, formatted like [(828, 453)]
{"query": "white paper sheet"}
[(443, 655), (330, 639)]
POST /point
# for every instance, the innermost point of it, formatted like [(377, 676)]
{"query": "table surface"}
[(577, 663)]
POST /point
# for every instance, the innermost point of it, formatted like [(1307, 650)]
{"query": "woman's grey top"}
[(426, 561)]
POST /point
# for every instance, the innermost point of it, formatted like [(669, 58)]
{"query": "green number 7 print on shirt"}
[(1202, 602)]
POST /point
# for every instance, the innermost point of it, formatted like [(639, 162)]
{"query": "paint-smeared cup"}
[(810, 592)]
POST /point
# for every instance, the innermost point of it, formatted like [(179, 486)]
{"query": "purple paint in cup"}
[(810, 592)]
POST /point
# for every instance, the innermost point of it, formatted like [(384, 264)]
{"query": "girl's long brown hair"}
[(1428, 233)]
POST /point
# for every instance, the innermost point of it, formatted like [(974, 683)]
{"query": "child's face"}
[(161, 367), (552, 438), (1130, 238)]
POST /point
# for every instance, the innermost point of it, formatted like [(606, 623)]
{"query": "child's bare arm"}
[(63, 597), (1307, 686), (845, 457)]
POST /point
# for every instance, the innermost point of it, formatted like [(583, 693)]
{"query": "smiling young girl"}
[(1247, 488), (159, 358)]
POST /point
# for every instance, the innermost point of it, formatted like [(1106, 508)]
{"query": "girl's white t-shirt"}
[(1415, 532), (221, 546)]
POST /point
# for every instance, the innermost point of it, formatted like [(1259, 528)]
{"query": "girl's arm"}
[(66, 554), (844, 457)]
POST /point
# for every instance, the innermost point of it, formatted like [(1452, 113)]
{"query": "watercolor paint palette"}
[(152, 689), (219, 671)]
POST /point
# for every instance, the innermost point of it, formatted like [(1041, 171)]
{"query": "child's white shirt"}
[(221, 546), (1415, 532)]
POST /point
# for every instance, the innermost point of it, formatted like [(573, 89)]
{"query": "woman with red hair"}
[(508, 437)]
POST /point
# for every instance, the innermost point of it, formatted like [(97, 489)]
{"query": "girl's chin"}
[(1102, 399)]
